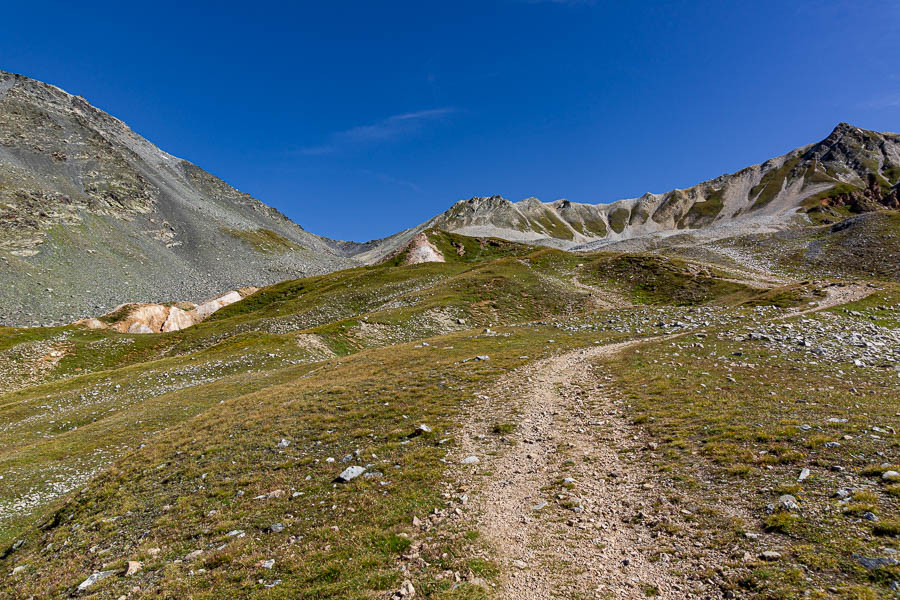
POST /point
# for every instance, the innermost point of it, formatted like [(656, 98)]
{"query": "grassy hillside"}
[(203, 454)]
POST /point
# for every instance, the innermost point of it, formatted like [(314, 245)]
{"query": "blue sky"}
[(358, 119)]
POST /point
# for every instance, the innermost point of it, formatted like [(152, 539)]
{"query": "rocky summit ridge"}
[(852, 169)]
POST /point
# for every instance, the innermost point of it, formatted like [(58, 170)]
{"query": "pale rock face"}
[(421, 250), (63, 162), (153, 316), (178, 319), (92, 323), (160, 318), (137, 327), (208, 308)]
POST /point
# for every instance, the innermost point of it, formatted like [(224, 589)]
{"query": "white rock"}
[(350, 473), (94, 578), (139, 328)]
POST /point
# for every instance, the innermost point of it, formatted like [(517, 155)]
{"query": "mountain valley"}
[(684, 395)]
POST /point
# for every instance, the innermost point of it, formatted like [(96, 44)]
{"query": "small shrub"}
[(780, 522), (891, 528)]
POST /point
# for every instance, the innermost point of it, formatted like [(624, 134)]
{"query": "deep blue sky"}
[(361, 118)]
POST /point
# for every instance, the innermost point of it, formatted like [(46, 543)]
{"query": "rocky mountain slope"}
[(93, 215), (851, 171)]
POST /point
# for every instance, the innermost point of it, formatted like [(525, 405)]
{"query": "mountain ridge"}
[(777, 187), (89, 205)]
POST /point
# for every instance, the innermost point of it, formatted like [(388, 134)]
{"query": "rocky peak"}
[(530, 203), (486, 203)]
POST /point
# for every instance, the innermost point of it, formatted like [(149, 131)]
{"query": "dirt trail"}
[(593, 536), (835, 295), (601, 299), (591, 539)]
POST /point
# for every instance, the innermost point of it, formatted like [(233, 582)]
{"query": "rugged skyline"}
[(94, 215), (397, 111)]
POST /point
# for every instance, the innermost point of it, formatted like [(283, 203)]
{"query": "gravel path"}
[(584, 542), (835, 295)]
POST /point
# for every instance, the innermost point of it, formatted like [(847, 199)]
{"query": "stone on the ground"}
[(94, 578), (873, 563), (420, 430), (770, 555), (470, 460), (349, 474), (788, 502)]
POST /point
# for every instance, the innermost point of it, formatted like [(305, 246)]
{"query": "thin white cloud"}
[(389, 179), (884, 101), (383, 130)]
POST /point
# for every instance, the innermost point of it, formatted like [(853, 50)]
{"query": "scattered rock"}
[(788, 502), (94, 578), (421, 429), (406, 590), (873, 563), (349, 474)]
